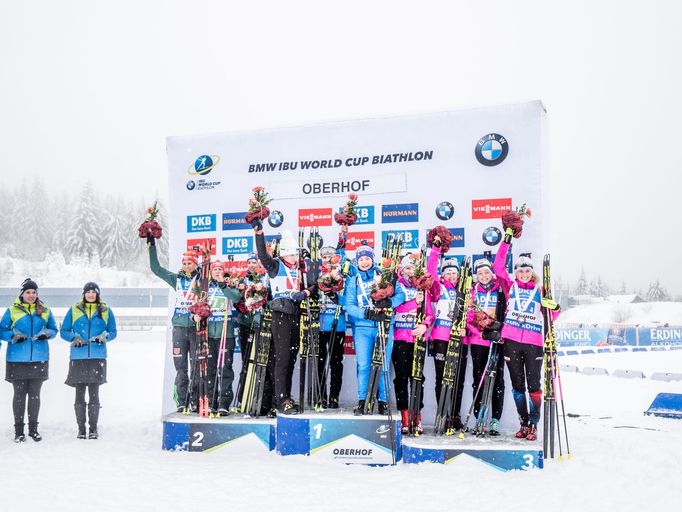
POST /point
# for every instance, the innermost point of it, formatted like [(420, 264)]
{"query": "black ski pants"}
[(401, 356), (225, 386), (438, 349), (479, 360), (184, 353), (285, 342), (525, 369), (335, 375), (23, 389)]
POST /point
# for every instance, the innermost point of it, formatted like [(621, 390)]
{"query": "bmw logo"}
[(491, 149), (276, 218), (203, 165), (445, 210), (492, 236), (191, 185)]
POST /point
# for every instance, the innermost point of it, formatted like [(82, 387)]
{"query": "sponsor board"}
[(235, 220), (357, 238), (404, 212), (490, 208), (193, 243), (315, 217), (410, 238), (198, 223), (365, 214), (330, 187), (237, 244)]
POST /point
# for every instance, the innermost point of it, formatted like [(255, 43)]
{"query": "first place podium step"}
[(341, 437)]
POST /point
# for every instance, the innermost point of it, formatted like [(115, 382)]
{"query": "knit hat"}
[(364, 250), (482, 263), (449, 263), (91, 287), (218, 263), (407, 261), (327, 251), (252, 256), (523, 262), (28, 284), (288, 246), (190, 256)]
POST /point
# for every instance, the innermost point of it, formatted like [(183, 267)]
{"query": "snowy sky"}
[(90, 89)]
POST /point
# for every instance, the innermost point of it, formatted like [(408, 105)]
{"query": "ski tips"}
[(461, 435)]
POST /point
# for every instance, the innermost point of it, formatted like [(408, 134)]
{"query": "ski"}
[(418, 358)]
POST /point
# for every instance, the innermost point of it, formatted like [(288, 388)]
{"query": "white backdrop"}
[(461, 169)]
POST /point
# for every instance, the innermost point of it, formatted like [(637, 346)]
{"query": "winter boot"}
[(457, 422), (93, 417), (359, 409), (80, 419), (333, 403), (405, 420), (383, 408), (289, 407), (419, 430), (523, 432), (33, 431), (494, 427), (19, 436), (532, 434)]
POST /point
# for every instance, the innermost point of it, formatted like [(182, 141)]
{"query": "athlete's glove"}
[(256, 224), (495, 326), (383, 303), (18, 337), (298, 296), (508, 234), (549, 304), (151, 240), (100, 338), (377, 316), (490, 334), (77, 341)]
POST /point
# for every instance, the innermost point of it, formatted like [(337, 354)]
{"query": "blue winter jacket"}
[(85, 320), (352, 303), (23, 318)]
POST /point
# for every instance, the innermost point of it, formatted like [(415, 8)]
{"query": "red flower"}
[(257, 189), (444, 238), (353, 197)]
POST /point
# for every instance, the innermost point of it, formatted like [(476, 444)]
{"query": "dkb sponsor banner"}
[(461, 169)]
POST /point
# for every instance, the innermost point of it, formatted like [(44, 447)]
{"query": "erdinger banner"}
[(462, 169)]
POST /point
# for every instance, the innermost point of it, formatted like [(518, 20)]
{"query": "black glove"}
[(43, 336), (298, 296), (495, 326), (490, 334), (383, 303), (100, 338), (377, 316), (18, 337), (77, 341), (257, 224), (151, 240)]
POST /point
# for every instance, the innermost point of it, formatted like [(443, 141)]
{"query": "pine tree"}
[(42, 230), (623, 289), (115, 242), (581, 287), (657, 293), (85, 229)]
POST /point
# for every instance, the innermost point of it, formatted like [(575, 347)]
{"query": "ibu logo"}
[(410, 238), (365, 214), (197, 223), (237, 245)]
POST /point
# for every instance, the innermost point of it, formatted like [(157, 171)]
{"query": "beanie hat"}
[(91, 287), (190, 256), (523, 262), (364, 250), (218, 263), (28, 284), (288, 246), (407, 261), (449, 263), (327, 251), (252, 256), (482, 263)]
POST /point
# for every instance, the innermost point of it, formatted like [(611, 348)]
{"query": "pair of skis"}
[(445, 412), (418, 358), (255, 370)]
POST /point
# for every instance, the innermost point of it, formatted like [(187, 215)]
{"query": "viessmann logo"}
[(356, 239), (315, 217), (199, 243), (392, 213), (490, 208)]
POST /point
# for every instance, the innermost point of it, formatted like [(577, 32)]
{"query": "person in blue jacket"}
[(89, 325), (26, 326), (359, 306)]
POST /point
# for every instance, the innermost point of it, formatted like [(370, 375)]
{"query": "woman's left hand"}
[(419, 330)]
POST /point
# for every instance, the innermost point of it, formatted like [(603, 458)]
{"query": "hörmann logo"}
[(193, 243), (235, 220), (315, 217), (393, 213), (490, 208), (196, 223), (356, 239)]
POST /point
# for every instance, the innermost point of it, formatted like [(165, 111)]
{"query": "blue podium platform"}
[(234, 432), (666, 405), (504, 452), (340, 437)]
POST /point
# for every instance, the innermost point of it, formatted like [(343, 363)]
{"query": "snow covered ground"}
[(622, 460), (604, 313)]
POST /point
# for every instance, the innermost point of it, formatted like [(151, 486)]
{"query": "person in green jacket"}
[(184, 330)]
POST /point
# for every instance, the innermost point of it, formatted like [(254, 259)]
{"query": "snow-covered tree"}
[(115, 250), (657, 293), (581, 287), (623, 289), (85, 229)]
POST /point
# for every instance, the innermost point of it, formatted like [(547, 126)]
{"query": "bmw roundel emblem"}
[(191, 185), (491, 149), (445, 210), (492, 236), (276, 218)]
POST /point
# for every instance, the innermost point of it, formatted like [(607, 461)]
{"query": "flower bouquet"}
[(348, 217), (255, 297), (382, 287), (514, 219), (150, 227), (258, 205), (440, 236), (330, 281)]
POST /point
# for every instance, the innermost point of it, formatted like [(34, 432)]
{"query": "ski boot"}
[(33, 432), (405, 420), (494, 427), (532, 434), (523, 432), (383, 408), (359, 409), (289, 407), (418, 429), (19, 436), (333, 403)]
